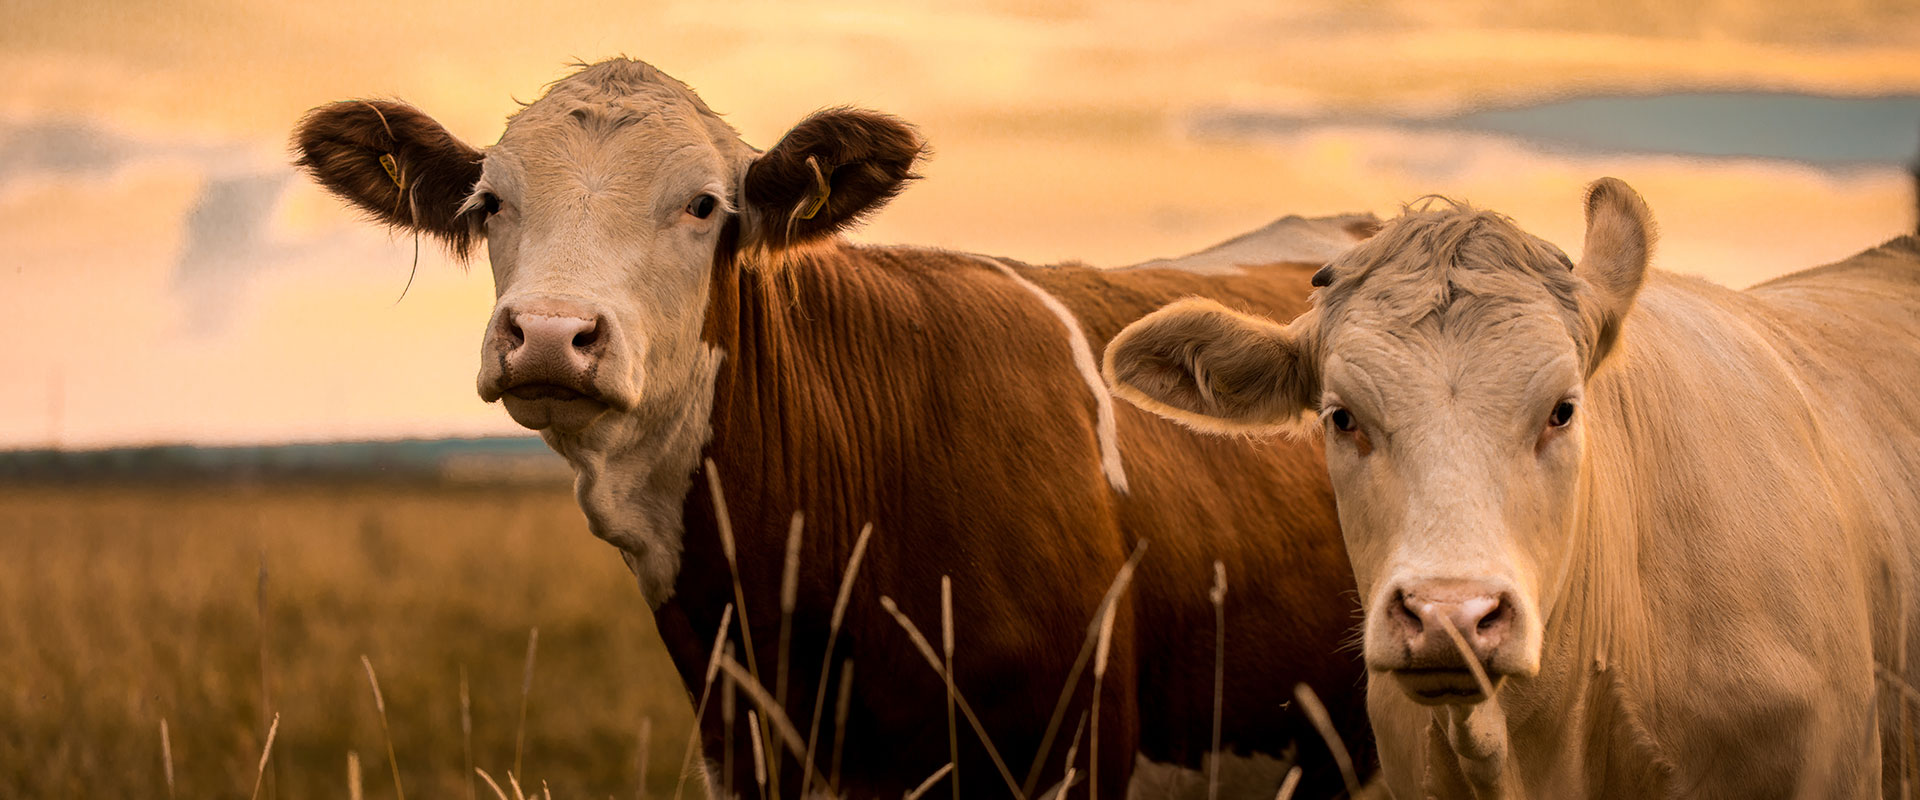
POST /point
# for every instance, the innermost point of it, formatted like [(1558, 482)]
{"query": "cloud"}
[(227, 244), (1832, 133), (60, 147), (227, 234)]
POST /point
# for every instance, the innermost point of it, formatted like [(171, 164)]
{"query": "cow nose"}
[(550, 342), (537, 331), (1483, 616)]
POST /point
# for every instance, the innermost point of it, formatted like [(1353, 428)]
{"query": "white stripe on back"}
[(1106, 429)]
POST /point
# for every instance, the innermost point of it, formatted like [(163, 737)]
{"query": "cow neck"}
[(787, 426)]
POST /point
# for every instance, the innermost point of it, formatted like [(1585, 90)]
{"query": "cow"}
[(679, 317), (1619, 532)]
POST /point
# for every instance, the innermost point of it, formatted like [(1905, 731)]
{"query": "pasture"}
[(122, 606)]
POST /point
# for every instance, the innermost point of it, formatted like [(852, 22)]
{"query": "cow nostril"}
[(515, 335), (585, 339), (1403, 612), (1494, 617)]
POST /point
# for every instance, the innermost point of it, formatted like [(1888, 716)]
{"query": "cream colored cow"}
[(1669, 525)]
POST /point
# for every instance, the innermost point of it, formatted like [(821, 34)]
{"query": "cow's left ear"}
[(830, 170)]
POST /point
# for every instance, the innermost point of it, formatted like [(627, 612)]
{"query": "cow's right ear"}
[(395, 163), (1214, 369)]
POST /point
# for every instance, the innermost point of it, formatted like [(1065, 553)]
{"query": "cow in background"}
[(1618, 532)]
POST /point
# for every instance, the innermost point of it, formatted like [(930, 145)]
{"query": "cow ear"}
[(1620, 240), (830, 170), (1201, 364), (395, 163)]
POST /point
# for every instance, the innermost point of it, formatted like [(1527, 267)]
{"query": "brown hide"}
[(930, 394)]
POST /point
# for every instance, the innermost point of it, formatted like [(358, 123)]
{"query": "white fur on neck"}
[(632, 474)]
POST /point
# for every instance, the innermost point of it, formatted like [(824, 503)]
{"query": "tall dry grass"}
[(462, 632), (123, 608)]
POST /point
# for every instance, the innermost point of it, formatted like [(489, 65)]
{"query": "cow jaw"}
[(633, 470), (542, 406)]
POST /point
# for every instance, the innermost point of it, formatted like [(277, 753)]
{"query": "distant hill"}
[(504, 459)]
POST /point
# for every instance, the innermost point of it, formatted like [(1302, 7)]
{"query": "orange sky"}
[(172, 280)]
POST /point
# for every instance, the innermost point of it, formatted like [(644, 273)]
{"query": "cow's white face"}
[(1446, 361), (608, 208), (602, 220)]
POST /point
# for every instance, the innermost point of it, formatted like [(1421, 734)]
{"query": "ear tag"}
[(820, 191), (393, 170)]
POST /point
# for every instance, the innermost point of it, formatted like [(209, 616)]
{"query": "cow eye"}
[(1562, 415), (702, 207), (1342, 420), (490, 203)]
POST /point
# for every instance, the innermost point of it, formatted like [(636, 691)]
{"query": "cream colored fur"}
[(1709, 561)]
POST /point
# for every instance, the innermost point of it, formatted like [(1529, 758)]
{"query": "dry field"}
[(121, 607)]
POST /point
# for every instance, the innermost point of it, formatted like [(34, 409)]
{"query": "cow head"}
[(1447, 359), (605, 207)]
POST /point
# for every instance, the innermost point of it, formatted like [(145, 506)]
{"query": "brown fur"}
[(924, 392)]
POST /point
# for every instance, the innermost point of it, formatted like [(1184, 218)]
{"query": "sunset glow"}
[(172, 279)]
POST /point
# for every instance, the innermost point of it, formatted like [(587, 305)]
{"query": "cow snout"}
[(551, 343), (545, 357), (1483, 617), (1432, 664)]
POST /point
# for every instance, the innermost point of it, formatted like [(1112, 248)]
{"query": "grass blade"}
[(929, 782), (266, 676), (1218, 595), (526, 690), (826, 657), (265, 754), (759, 752), (466, 730), (789, 597), (1466, 654), (1317, 714), (933, 659), (729, 547), (490, 784), (1290, 785), (1100, 652), (946, 648), (1115, 589), (727, 690), (386, 730), (774, 718), (840, 708), (166, 755), (706, 692)]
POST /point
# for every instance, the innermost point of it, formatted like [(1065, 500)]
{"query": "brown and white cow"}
[(1674, 524), (668, 294)]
